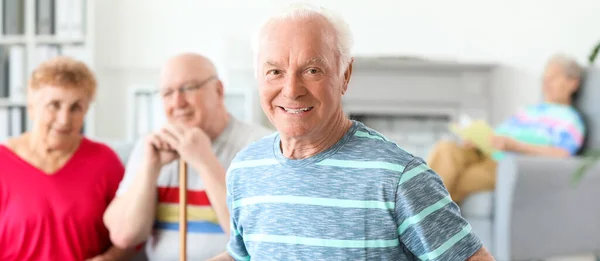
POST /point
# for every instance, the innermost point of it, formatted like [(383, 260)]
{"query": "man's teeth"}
[(296, 110)]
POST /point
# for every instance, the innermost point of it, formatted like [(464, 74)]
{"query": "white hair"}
[(342, 35), (570, 66)]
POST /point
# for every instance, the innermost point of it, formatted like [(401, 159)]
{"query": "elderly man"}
[(552, 128), (207, 137), (326, 187)]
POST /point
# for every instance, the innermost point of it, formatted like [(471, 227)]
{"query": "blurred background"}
[(419, 64)]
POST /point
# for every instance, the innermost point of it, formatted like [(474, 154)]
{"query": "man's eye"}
[(166, 93), (274, 72), (313, 71)]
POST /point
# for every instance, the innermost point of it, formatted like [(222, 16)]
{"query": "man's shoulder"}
[(378, 146), (567, 114)]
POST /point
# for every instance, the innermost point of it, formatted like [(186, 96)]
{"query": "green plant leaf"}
[(594, 53), (590, 159)]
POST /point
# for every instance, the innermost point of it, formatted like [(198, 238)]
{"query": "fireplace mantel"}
[(412, 101), (397, 86)]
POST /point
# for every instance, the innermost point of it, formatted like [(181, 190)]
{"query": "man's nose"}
[(179, 98), (293, 87)]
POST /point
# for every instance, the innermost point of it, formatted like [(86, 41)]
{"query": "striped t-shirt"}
[(362, 199), (205, 238), (545, 124)]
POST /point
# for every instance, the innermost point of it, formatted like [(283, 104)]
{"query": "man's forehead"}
[(297, 53), (277, 60), (175, 82), (314, 50)]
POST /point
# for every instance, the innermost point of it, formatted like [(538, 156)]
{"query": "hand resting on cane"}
[(194, 147)]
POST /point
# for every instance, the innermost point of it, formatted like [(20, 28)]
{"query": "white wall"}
[(134, 37)]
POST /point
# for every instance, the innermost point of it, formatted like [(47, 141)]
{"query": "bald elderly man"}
[(202, 132)]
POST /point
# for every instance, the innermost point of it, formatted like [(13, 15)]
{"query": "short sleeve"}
[(236, 247), (568, 135), (429, 222), (132, 167)]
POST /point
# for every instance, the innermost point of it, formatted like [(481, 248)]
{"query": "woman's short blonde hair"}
[(64, 72)]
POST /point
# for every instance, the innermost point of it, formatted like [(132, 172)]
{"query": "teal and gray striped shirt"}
[(362, 199)]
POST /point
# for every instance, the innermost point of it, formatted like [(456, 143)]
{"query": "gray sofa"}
[(122, 148), (535, 213)]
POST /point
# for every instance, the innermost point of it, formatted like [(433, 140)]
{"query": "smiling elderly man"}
[(203, 133), (325, 187)]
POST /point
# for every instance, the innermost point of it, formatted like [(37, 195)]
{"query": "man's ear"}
[(574, 85), (347, 76), (220, 90)]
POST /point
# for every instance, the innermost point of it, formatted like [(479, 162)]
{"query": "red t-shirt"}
[(58, 216)]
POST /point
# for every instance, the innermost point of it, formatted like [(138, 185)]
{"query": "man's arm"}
[(195, 147), (481, 255), (129, 218), (213, 175), (429, 223), (565, 140), (509, 144), (538, 150)]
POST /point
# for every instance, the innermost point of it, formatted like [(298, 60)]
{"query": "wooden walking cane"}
[(182, 210)]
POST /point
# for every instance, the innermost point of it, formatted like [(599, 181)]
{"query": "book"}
[(478, 132), (13, 17), (44, 19)]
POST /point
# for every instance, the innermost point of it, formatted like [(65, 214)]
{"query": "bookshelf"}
[(32, 31)]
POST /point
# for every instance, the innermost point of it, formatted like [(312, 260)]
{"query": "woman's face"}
[(57, 114)]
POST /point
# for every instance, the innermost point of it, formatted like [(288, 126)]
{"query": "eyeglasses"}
[(185, 89)]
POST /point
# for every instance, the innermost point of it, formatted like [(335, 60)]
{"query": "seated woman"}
[(552, 128), (54, 183)]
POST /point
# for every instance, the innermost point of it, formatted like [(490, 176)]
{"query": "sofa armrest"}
[(538, 212)]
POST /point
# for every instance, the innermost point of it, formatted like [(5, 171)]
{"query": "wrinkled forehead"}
[(296, 42)]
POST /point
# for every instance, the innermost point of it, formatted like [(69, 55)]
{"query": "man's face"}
[(557, 86), (299, 79), (189, 96)]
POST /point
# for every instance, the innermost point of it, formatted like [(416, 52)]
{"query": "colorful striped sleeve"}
[(568, 134), (429, 222)]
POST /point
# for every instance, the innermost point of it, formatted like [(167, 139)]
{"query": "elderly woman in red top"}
[(54, 183)]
